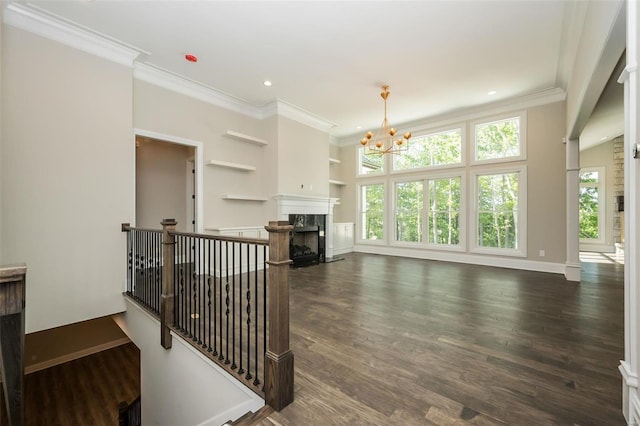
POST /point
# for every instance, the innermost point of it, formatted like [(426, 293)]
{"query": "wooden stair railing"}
[(277, 357), (12, 294)]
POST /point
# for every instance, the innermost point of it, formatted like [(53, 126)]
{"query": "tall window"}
[(444, 211), (591, 205), (436, 149), (409, 206), (499, 211), (499, 140), (372, 212), (368, 164)]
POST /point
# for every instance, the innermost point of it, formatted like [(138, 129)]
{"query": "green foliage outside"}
[(409, 206), (588, 205), (431, 150), (373, 212), (498, 210), (444, 211), (499, 139)]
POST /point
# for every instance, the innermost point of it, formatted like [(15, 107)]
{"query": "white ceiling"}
[(330, 58)]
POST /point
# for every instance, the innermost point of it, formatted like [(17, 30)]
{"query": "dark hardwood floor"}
[(394, 341), (83, 392)]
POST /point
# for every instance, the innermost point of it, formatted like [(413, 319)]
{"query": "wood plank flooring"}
[(394, 341), (83, 392)]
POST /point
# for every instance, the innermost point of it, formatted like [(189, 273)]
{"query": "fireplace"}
[(307, 242)]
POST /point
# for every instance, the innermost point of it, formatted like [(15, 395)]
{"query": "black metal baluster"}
[(240, 370), (209, 297), (200, 312), (256, 382), (220, 321), (176, 290), (233, 306), (129, 261), (226, 300), (215, 299), (183, 314), (158, 244), (264, 303), (194, 289), (248, 376)]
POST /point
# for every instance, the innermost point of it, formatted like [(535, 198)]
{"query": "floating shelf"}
[(334, 161), (239, 197), (337, 182), (228, 165), (246, 138)]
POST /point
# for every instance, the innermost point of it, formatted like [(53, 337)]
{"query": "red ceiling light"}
[(191, 58)]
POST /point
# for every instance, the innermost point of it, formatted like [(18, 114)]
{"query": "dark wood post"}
[(279, 358), (12, 293), (167, 296)]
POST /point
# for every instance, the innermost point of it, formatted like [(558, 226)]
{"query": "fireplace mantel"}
[(303, 204), (287, 204)]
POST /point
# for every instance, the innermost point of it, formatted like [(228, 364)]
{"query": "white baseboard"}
[(474, 259), (233, 413), (342, 250), (598, 248), (75, 355)]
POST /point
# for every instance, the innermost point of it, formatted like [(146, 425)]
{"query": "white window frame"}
[(522, 116), (463, 217), (602, 207), (434, 131), (385, 209), (521, 251), (385, 165)]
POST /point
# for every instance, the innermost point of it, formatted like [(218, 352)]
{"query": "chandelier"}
[(384, 142)]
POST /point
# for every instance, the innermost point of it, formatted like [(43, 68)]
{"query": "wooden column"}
[(167, 296), (12, 293), (279, 358)]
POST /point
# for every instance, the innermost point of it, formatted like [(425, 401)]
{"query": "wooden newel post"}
[(166, 298), (12, 294), (279, 358)]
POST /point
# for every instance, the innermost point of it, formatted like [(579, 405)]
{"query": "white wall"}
[(303, 159), (179, 386), (170, 113), (67, 177), (161, 183), (600, 46)]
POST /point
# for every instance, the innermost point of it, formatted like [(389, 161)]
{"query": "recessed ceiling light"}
[(191, 58), (358, 127), (491, 93), (604, 138), (267, 83)]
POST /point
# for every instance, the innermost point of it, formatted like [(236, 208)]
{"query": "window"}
[(436, 149), (500, 214), (444, 211), (500, 140), (368, 164), (591, 210), (409, 207), (372, 212)]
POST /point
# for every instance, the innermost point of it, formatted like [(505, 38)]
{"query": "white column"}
[(328, 231), (629, 366), (572, 265)]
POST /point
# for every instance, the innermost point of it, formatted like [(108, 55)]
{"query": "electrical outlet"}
[(541, 253)]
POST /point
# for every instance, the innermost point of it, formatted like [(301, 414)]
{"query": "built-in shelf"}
[(334, 161), (228, 165), (240, 197), (246, 138), (337, 182)]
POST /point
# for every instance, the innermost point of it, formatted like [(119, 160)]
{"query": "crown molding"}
[(473, 113), (36, 21), (176, 83), (285, 109)]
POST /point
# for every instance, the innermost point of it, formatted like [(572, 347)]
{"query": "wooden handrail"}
[(12, 304), (246, 240)]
